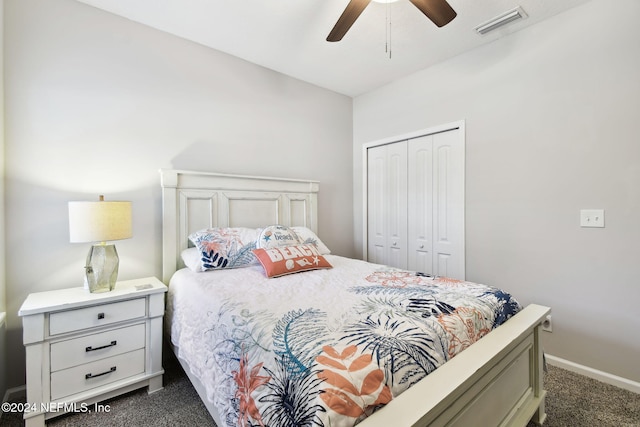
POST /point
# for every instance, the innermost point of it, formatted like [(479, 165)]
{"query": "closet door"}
[(448, 205), (436, 204), (420, 204), (376, 204), (387, 204)]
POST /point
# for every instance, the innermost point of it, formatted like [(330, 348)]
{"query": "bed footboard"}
[(498, 380)]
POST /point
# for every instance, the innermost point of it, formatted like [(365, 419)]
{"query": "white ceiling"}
[(288, 36)]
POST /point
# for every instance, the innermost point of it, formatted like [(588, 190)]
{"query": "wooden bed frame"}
[(496, 382)]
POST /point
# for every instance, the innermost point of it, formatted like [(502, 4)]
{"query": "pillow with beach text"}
[(277, 235), (283, 260)]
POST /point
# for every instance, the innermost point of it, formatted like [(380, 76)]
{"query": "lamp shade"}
[(99, 221)]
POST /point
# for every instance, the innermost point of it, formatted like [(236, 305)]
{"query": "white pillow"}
[(307, 237), (192, 259)]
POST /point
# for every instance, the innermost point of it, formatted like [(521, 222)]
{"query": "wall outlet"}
[(547, 324)]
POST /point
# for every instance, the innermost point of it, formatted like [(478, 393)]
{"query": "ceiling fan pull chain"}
[(387, 47), (386, 28), (389, 38)]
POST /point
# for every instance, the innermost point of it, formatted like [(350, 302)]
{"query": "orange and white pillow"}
[(283, 260)]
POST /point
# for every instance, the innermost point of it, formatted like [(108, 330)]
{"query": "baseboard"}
[(601, 376)]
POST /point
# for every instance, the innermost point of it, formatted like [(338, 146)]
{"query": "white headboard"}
[(192, 201)]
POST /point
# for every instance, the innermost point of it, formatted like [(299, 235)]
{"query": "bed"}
[(497, 380)]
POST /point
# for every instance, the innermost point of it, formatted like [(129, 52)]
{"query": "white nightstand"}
[(82, 348)]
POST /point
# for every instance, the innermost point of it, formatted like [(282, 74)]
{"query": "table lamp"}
[(100, 222)]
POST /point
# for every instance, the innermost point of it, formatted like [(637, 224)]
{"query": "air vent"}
[(500, 20)]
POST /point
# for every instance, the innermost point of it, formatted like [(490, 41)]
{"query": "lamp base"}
[(102, 267)]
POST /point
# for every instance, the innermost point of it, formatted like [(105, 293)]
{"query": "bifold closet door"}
[(420, 204), (436, 204), (415, 204), (387, 204)]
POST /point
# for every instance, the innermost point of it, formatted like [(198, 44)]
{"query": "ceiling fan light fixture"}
[(500, 20), (384, 1), (438, 11)]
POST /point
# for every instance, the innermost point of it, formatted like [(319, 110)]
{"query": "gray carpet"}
[(575, 400), (572, 401)]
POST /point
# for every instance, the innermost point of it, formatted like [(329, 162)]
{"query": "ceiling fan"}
[(437, 11)]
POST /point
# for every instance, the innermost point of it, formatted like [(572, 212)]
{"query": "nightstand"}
[(82, 348)]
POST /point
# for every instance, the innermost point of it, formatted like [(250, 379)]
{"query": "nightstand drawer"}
[(95, 374), (65, 354), (97, 315)]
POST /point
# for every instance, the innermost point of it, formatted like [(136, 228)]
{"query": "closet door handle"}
[(395, 243)]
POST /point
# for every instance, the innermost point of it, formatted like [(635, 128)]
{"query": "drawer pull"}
[(89, 376), (87, 349), (100, 316)]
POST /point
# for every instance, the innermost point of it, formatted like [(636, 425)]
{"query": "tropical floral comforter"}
[(326, 347)]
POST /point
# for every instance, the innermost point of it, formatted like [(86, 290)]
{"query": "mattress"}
[(323, 347)]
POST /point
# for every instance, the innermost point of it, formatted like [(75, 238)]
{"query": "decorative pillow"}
[(290, 259), (277, 235), (308, 237), (225, 247)]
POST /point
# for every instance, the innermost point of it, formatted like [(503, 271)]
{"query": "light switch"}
[(592, 218)]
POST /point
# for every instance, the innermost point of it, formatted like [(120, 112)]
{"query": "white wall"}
[(96, 104), (552, 117)]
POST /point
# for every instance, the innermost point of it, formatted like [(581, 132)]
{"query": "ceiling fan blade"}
[(438, 11), (346, 20)]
